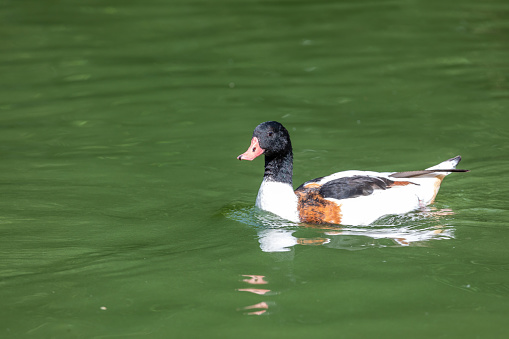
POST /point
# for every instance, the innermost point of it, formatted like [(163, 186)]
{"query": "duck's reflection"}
[(255, 279), (276, 235), (258, 291), (261, 307), (411, 229), (352, 238)]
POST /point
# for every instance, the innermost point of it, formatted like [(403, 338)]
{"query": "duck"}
[(351, 197)]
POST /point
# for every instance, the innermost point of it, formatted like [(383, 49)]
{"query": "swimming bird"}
[(349, 197)]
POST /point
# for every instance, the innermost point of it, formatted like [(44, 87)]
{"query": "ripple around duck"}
[(279, 235)]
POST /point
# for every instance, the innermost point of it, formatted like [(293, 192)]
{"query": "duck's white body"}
[(280, 199)]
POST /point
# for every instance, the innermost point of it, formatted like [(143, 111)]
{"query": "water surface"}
[(126, 214)]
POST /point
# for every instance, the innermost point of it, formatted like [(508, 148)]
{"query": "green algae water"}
[(125, 214)]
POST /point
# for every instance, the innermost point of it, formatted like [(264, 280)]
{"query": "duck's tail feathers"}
[(443, 168), (448, 164)]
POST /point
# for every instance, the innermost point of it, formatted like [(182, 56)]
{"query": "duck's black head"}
[(273, 140), (269, 138)]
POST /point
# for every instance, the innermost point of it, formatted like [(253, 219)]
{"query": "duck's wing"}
[(351, 187), (348, 187)]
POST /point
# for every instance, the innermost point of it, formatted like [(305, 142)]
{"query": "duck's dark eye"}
[(270, 134)]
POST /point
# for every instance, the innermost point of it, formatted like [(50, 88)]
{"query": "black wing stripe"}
[(355, 186), (411, 174)]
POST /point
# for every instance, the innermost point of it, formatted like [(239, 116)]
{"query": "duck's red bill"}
[(253, 151)]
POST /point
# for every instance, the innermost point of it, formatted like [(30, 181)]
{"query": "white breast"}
[(278, 198)]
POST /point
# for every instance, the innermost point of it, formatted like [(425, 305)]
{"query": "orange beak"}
[(253, 151)]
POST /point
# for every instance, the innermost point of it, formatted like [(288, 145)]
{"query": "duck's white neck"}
[(278, 198)]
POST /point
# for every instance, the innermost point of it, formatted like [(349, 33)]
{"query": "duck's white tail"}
[(444, 168), (448, 164)]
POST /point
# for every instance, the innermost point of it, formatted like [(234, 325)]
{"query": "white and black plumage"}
[(349, 197)]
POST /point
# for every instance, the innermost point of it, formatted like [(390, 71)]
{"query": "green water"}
[(125, 213)]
